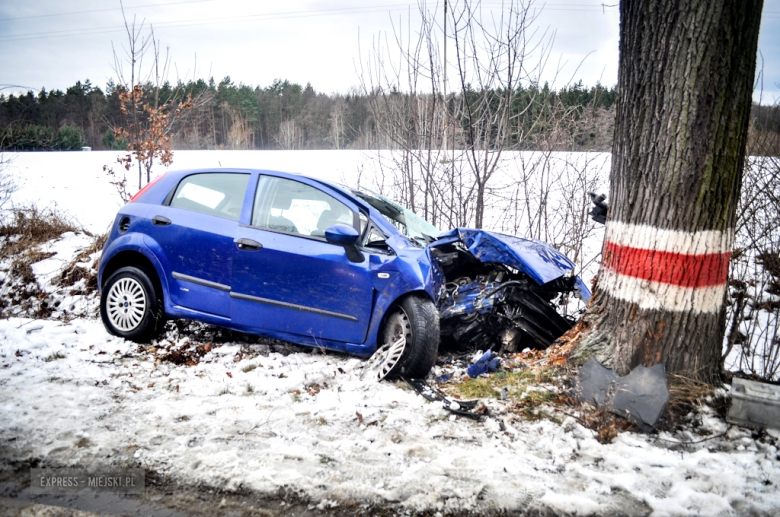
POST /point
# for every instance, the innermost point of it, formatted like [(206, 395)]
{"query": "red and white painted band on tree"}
[(666, 269)]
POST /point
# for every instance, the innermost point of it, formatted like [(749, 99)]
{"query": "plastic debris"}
[(443, 378), (487, 363), (595, 381), (429, 393), (754, 403), (641, 396)]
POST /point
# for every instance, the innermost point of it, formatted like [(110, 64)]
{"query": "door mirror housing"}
[(346, 236), (342, 234)]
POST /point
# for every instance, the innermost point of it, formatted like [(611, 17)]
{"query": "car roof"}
[(283, 174)]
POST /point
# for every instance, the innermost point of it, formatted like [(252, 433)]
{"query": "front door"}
[(287, 277)]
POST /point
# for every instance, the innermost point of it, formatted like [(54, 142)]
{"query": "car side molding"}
[(294, 306), (200, 281)]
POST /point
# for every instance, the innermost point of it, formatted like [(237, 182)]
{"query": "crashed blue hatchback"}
[(319, 264)]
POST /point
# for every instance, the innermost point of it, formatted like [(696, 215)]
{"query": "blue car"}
[(319, 264)]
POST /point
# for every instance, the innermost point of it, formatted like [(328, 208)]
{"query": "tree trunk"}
[(684, 97)]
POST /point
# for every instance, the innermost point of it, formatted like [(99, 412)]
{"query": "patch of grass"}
[(248, 368), (225, 391), (321, 421), (515, 383), (55, 356), (477, 388), (249, 389), (539, 397)]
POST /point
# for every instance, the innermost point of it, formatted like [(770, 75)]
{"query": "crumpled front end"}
[(503, 292)]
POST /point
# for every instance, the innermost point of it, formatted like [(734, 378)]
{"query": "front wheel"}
[(130, 307), (409, 341)]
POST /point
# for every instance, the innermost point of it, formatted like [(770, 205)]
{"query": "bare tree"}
[(337, 122), (493, 55), (289, 136), (406, 107), (7, 183), (150, 114), (752, 343)]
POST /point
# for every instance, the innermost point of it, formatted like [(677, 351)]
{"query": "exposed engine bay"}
[(490, 305)]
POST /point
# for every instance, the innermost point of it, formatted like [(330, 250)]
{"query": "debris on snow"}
[(459, 407), (754, 403), (487, 362), (641, 396)]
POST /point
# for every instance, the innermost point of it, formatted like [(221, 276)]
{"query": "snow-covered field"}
[(252, 418)]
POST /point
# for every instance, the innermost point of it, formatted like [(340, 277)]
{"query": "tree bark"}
[(684, 96)]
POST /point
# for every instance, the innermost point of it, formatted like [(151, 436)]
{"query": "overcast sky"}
[(54, 43)]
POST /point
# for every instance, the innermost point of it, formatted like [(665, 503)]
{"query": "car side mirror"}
[(341, 234), (346, 236)]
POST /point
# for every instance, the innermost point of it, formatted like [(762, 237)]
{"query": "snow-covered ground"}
[(251, 418), (74, 395)]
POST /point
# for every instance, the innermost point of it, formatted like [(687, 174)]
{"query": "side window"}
[(292, 207), (217, 194), (375, 239)]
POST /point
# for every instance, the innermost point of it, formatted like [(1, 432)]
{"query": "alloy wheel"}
[(126, 304)]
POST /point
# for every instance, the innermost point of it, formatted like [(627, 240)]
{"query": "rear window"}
[(219, 194)]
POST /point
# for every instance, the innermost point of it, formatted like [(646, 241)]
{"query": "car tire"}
[(131, 307), (418, 319)]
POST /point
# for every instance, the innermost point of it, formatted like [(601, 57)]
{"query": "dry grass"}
[(686, 393), (30, 227), (21, 233), (80, 268), (605, 424)]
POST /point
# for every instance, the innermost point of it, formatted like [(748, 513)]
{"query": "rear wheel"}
[(409, 341), (130, 306)]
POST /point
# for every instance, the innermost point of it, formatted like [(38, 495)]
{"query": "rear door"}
[(287, 277), (195, 232)]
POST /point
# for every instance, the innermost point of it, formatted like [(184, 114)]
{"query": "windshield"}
[(406, 221)]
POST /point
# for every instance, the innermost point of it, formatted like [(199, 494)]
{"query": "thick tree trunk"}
[(684, 96)]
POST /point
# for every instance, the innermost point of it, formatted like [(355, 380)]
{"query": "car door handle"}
[(159, 220), (248, 245)]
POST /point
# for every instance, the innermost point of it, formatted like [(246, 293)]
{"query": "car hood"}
[(537, 259)]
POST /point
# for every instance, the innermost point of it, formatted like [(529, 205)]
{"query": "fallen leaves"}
[(183, 354)]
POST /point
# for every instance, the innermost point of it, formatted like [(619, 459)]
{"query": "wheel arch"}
[(135, 259), (419, 293)]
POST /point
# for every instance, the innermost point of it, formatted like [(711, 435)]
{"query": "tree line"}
[(284, 115)]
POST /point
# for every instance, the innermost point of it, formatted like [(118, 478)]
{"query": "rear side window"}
[(215, 193), (288, 206)]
